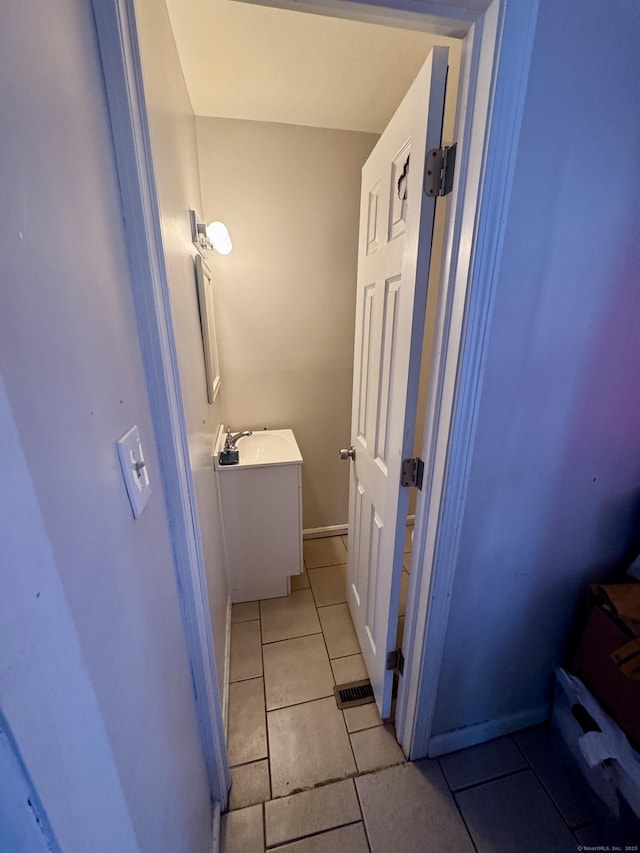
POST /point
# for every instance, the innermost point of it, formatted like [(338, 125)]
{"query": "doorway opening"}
[(483, 190), (253, 174)]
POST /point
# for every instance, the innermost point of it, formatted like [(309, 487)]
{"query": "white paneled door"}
[(396, 226)]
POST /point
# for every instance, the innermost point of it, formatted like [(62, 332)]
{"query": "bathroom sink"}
[(263, 447), (261, 502)]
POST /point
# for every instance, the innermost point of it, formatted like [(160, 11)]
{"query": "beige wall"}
[(95, 683), (172, 125), (285, 297)]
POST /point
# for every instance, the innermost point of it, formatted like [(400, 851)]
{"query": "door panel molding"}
[(387, 347), (392, 295)]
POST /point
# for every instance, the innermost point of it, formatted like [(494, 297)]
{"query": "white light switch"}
[(134, 470)]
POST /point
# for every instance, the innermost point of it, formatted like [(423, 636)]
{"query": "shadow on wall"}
[(597, 482)]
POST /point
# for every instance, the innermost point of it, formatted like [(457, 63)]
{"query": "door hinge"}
[(412, 472), (395, 661), (439, 170)]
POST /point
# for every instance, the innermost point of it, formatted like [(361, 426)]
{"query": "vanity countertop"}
[(262, 448)]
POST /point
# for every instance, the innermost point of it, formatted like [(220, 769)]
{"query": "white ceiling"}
[(255, 62)]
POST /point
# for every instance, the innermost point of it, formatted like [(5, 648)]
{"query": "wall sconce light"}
[(218, 235), (212, 236)]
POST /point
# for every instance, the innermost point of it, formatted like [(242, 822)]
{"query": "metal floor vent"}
[(354, 693)]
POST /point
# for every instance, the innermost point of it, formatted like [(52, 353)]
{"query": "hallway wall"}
[(553, 499), (95, 681), (175, 160), (285, 296)]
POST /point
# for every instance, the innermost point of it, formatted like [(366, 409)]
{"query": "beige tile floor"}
[(309, 778)]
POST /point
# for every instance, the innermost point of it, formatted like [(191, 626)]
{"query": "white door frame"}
[(118, 43), (493, 86), (497, 45)]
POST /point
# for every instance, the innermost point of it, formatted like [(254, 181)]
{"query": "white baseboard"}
[(215, 827), (227, 666), (480, 732), (336, 529), (320, 532)]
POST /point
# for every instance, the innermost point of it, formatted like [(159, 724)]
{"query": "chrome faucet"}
[(230, 440)]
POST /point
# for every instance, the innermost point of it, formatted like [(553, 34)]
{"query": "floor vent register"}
[(354, 693)]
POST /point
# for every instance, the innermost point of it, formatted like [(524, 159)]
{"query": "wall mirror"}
[(208, 327)]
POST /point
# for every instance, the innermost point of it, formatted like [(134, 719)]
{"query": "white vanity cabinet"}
[(261, 500)]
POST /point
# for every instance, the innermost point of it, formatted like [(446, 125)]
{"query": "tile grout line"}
[(266, 726), (247, 763), (527, 769), (231, 655), (286, 639), (280, 844), (464, 823), (249, 678), (457, 806), (521, 751), (324, 566), (482, 782), (364, 823), (297, 704), (543, 786), (335, 682), (355, 761), (357, 774), (344, 720)]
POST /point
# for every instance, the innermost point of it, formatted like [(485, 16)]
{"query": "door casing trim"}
[(120, 56), (472, 253)]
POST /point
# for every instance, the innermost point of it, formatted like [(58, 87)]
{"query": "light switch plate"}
[(134, 470)]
